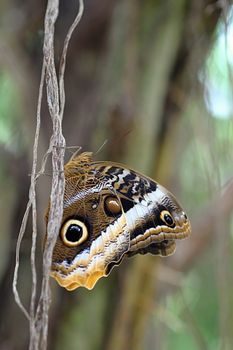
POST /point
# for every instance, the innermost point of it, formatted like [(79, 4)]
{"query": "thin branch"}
[(17, 253), (33, 199), (38, 318), (64, 55), (31, 204), (57, 144)]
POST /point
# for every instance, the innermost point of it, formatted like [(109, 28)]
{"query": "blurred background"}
[(151, 82)]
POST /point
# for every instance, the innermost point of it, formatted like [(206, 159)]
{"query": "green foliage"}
[(85, 324), (9, 111), (218, 79), (192, 314), (195, 305)]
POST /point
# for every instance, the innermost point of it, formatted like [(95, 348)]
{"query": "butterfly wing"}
[(111, 211), (154, 217)]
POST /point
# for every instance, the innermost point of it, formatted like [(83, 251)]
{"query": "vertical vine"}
[(38, 315)]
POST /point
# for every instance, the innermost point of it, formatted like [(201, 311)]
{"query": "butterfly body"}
[(110, 212)]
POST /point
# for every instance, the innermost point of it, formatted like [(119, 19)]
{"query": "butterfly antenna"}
[(101, 147), (75, 152)]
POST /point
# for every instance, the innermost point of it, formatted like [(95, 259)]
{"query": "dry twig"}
[(38, 314)]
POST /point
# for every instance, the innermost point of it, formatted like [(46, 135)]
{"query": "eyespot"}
[(112, 206), (167, 218), (73, 233), (94, 203), (94, 206)]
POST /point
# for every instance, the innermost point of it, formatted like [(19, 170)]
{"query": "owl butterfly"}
[(111, 212)]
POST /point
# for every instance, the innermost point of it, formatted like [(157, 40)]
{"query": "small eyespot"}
[(112, 206), (167, 218), (94, 205), (73, 233)]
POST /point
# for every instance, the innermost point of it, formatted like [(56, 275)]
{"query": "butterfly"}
[(111, 211)]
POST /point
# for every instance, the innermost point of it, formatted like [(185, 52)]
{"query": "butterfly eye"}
[(167, 218), (112, 206), (73, 233)]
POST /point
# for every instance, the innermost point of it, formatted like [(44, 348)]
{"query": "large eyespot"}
[(167, 218), (112, 206), (73, 233)]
